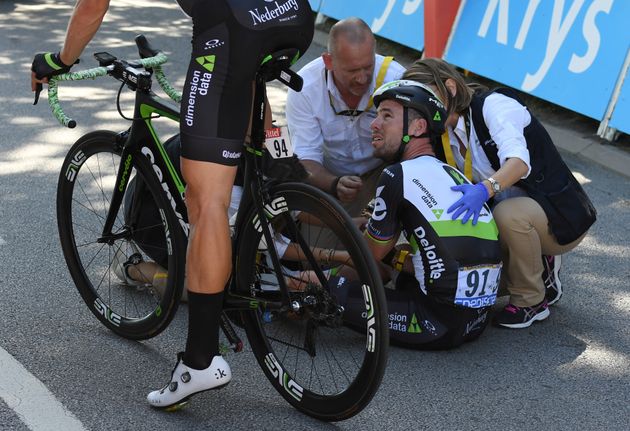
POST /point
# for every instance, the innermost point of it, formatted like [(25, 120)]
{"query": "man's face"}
[(352, 66), (387, 129)]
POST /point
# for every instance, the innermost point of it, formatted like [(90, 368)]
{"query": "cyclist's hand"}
[(361, 221), (348, 187), (45, 65)]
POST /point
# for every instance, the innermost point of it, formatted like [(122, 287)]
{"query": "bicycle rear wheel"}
[(131, 294), (316, 362)]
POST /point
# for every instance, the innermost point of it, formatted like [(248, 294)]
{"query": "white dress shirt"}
[(342, 144), (506, 120)]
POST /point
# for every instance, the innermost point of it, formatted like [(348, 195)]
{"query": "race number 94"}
[(278, 142)]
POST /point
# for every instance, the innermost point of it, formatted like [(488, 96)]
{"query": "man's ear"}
[(418, 126), (328, 61)]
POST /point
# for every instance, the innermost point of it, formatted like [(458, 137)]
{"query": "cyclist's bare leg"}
[(208, 262), (208, 190), (208, 266)]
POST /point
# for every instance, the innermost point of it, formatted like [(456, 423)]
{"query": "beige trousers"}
[(525, 236)]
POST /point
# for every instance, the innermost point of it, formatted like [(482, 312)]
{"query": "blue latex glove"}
[(471, 203)]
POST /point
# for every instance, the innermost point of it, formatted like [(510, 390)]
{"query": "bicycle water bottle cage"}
[(278, 66)]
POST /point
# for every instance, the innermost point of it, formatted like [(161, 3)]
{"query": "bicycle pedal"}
[(235, 347), (175, 407)]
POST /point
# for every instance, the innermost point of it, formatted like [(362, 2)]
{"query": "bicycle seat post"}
[(275, 66), (258, 114)]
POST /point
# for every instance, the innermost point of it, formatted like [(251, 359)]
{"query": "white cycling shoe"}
[(186, 382)]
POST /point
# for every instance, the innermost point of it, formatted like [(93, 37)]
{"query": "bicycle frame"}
[(273, 263), (254, 186), (142, 140)]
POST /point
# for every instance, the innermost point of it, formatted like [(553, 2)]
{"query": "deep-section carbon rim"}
[(135, 309), (320, 365)]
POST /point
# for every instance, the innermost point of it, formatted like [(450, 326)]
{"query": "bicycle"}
[(320, 366)]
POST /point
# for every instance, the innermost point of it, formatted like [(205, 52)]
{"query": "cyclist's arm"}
[(84, 23), (383, 228)]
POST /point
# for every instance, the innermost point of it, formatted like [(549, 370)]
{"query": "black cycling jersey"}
[(230, 40), (455, 264)]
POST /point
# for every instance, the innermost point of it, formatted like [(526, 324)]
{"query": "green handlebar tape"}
[(53, 96), (149, 63)]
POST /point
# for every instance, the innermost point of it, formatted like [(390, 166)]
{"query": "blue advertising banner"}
[(315, 4), (399, 20), (569, 52)]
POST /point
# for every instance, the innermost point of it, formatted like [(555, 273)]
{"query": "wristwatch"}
[(496, 186)]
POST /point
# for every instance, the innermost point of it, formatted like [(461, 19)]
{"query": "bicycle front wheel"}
[(132, 286), (314, 359)]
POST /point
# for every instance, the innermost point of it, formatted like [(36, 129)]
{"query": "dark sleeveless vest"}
[(550, 182)]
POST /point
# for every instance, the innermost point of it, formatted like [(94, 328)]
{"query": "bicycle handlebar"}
[(127, 72)]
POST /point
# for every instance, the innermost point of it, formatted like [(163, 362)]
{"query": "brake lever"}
[(38, 89)]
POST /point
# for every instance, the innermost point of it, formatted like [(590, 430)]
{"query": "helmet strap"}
[(405, 136)]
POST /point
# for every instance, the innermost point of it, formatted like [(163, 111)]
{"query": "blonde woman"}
[(541, 210)]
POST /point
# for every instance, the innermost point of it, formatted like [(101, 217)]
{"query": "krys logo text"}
[(562, 22)]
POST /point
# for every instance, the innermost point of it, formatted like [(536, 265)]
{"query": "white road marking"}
[(34, 404), (2, 241)]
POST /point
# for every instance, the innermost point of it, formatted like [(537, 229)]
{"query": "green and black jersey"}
[(454, 263)]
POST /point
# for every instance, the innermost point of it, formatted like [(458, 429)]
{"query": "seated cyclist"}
[(449, 271), (448, 303)]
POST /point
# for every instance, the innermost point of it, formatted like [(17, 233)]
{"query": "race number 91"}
[(477, 286)]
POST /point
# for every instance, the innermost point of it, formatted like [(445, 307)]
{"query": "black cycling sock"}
[(204, 314)]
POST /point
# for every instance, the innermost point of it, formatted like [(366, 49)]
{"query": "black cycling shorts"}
[(415, 320), (230, 40)]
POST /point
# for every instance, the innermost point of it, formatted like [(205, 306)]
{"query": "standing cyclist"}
[(230, 39), (450, 271)]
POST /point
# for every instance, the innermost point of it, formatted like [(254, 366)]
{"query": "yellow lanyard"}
[(380, 78), (450, 159)]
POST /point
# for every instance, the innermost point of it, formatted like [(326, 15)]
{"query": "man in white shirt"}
[(330, 118)]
